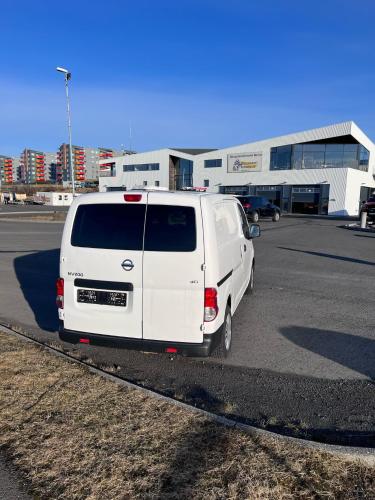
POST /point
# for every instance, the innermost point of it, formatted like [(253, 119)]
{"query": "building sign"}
[(245, 162)]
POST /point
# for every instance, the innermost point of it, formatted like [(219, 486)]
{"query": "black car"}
[(258, 206)]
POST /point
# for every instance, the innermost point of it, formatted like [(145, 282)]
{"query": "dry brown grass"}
[(77, 435)]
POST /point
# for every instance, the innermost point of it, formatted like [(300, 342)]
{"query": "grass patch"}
[(76, 435)]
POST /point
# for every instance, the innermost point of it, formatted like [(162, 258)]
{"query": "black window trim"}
[(218, 160)]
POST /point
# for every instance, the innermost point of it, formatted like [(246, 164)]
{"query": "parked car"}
[(259, 206), (369, 207), (156, 271)]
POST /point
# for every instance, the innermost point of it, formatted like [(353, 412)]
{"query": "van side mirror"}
[(254, 231)]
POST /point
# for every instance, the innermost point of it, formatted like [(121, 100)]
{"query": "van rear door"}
[(173, 275), (101, 263)]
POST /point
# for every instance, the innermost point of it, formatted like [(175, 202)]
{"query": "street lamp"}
[(67, 76)]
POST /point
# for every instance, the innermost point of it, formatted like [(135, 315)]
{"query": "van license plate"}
[(102, 298)]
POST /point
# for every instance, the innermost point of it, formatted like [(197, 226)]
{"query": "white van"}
[(156, 271)]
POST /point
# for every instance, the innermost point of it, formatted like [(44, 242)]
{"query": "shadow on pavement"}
[(37, 273), (202, 445), (331, 256), (352, 351)]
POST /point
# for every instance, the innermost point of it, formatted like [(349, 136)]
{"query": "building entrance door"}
[(305, 199)]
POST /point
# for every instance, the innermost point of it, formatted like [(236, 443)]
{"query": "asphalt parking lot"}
[(304, 343)]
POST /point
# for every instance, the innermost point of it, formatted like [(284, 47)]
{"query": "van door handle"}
[(244, 247)]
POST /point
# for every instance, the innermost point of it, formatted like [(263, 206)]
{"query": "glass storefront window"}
[(333, 159), (281, 158), (363, 158), (313, 159), (312, 156), (350, 159), (314, 147), (334, 147), (184, 173), (297, 159)]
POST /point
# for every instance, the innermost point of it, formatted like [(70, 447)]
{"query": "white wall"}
[(131, 179), (344, 183), (356, 180), (52, 198)]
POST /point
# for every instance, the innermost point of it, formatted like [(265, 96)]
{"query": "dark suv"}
[(369, 207), (258, 206)]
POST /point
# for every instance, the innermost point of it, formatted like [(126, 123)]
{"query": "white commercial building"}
[(53, 198), (328, 170)]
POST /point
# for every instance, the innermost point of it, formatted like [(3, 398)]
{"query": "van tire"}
[(250, 287), (222, 350)]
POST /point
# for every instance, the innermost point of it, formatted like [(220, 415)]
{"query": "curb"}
[(366, 455), (356, 227)]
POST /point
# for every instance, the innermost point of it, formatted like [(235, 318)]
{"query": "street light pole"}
[(67, 76)]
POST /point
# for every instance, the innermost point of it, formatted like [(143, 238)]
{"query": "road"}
[(304, 341), (11, 484), (9, 209)]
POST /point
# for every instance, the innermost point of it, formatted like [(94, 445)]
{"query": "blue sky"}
[(184, 73)]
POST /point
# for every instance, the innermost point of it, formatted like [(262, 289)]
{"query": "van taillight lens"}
[(247, 205), (210, 304), (60, 293), (132, 197)]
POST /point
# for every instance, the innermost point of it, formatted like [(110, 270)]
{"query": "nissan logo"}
[(127, 265)]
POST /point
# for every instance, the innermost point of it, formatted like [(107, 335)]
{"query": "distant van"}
[(155, 271)]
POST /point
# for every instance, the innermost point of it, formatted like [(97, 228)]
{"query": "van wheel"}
[(276, 217), (250, 287), (225, 343), (255, 217)]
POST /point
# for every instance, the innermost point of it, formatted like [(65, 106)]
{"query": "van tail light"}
[(171, 349), (210, 304), (60, 293), (247, 205), (132, 197)]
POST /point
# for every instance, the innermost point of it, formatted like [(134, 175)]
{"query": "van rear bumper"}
[(185, 348)]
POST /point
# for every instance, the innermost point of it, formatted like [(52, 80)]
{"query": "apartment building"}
[(38, 167), (32, 167), (86, 164), (6, 170), (51, 167)]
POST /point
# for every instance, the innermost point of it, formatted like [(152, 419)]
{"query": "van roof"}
[(116, 196)]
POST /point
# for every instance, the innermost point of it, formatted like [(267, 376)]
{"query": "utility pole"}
[(67, 77)]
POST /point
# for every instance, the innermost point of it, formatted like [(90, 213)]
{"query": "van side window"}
[(111, 226), (244, 222), (170, 228)]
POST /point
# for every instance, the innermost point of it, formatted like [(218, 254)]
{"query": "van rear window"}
[(109, 226), (169, 228)]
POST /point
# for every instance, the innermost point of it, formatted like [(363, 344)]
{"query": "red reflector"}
[(210, 297), (84, 341), (247, 205), (132, 197), (60, 293), (171, 349), (60, 286)]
